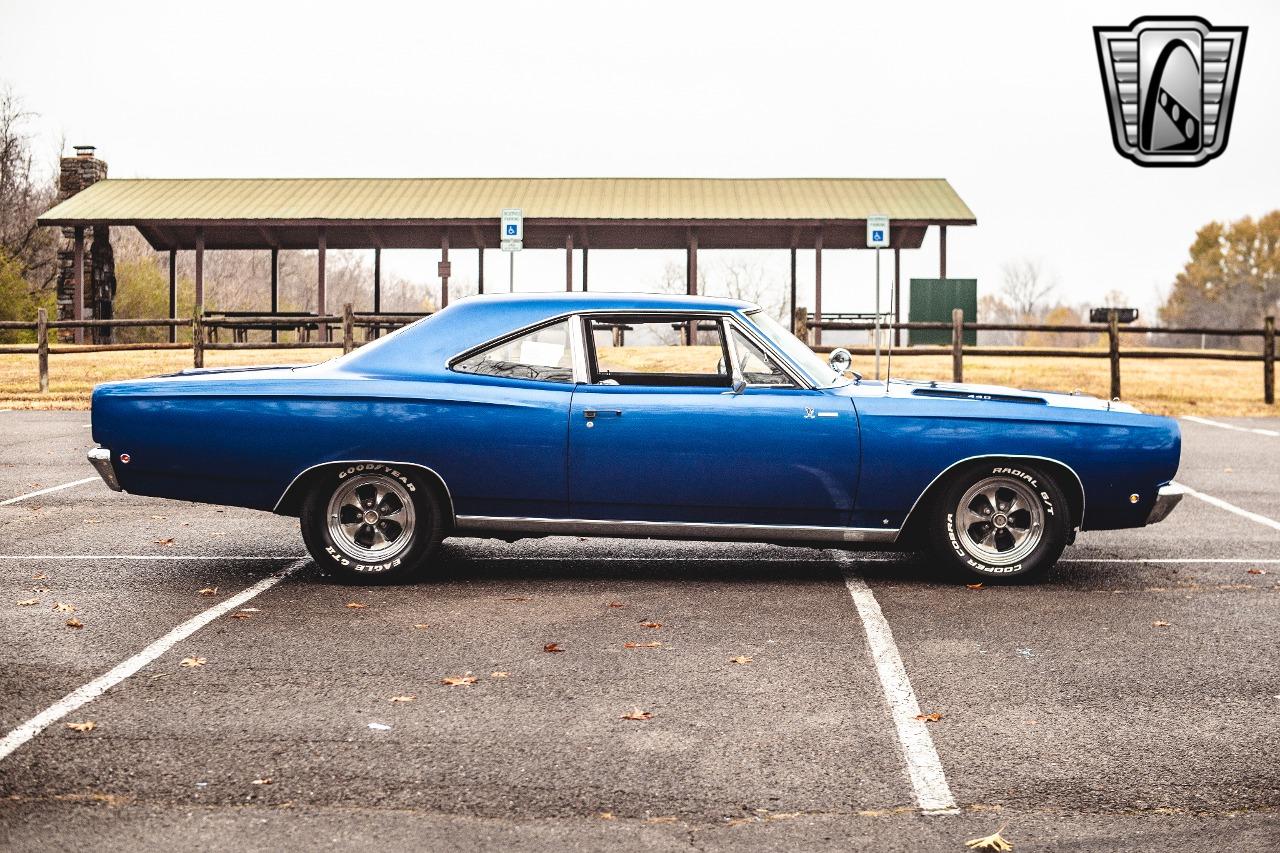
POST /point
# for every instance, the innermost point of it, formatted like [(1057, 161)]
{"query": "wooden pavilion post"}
[(817, 287), (275, 290), (568, 262), (322, 239), (480, 267), (691, 285), (173, 294), (444, 270), (584, 267), (897, 296), (377, 280), (200, 268), (942, 251), (77, 308), (792, 314)]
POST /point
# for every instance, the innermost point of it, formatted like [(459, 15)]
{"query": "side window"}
[(666, 351), (544, 354), (757, 366)]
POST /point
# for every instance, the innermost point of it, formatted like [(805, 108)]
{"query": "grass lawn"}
[(1173, 387)]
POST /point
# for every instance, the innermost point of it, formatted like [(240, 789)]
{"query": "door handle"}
[(590, 414)]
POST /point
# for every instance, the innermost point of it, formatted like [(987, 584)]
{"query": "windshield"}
[(795, 349)]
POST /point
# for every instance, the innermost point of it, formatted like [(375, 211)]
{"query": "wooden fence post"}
[(1113, 341), (957, 344), (348, 329), (1269, 360), (42, 347), (197, 336)]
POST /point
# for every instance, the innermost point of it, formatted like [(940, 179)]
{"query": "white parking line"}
[(1220, 424), (1221, 504), (88, 692), (933, 795), (48, 490), (140, 557)]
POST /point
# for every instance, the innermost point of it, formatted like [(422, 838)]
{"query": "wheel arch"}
[(291, 499), (1063, 474)]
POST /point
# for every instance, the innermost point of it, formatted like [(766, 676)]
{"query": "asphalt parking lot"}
[(1129, 702)]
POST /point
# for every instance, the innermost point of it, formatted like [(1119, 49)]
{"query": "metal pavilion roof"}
[(599, 212)]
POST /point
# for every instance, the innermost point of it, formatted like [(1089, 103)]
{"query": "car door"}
[(659, 433)]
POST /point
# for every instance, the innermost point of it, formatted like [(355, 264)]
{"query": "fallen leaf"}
[(974, 585), (74, 623), (929, 718), (158, 518), (654, 645), (264, 781), (616, 604), (741, 659), (1159, 624), (607, 816), (402, 698), (39, 576), (168, 541), (1257, 571), (422, 626), (240, 614), (552, 648), (209, 590), (93, 521), (63, 607), (994, 841), (86, 726), (661, 819), (27, 602), (650, 624), (499, 674), (355, 605), (192, 662), (637, 714), (186, 524), (458, 680)]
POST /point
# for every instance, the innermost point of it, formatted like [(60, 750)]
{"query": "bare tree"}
[(1026, 287), (24, 194)]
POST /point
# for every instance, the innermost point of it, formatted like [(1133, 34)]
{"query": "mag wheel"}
[(370, 521), (1000, 520)]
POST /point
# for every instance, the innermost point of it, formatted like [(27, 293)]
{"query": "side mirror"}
[(739, 383), (840, 360)]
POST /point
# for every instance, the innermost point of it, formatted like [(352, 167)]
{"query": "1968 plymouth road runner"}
[(658, 416)]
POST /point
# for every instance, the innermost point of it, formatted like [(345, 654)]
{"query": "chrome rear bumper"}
[(1168, 497), (101, 459)]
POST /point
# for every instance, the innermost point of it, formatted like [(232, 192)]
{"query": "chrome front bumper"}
[(1166, 499), (101, 459)]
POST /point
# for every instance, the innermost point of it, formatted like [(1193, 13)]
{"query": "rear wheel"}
[(1000, 521), (370, 521)]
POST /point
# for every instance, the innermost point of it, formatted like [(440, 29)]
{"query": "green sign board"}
[(932, 300)]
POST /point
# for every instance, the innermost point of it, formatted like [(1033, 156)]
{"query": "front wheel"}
[(1000, 521), (370, 521)]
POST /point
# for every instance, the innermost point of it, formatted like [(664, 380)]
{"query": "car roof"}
[(426, 346), (584, 301)]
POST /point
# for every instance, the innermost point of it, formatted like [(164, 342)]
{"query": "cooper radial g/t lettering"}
[(517, 416)]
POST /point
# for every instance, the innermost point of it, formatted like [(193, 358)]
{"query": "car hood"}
[(906, 388)]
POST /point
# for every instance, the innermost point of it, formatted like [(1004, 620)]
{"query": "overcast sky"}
[(1004, 101)]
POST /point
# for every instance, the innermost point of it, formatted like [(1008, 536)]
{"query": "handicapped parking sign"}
[(877, 232), (511, 229)]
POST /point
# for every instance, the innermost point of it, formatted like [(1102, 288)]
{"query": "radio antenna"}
[(893, 312)]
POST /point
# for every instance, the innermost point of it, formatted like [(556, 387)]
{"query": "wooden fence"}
[(1112, 329), (348, 321)]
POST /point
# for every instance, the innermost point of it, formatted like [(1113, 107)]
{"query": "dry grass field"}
[(1174, 387)]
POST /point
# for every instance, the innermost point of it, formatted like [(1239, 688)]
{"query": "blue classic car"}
[(650, 416)]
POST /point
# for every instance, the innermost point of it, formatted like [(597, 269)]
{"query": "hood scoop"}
[(963, 394)]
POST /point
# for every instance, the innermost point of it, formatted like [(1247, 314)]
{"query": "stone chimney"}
[(77, 173)]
